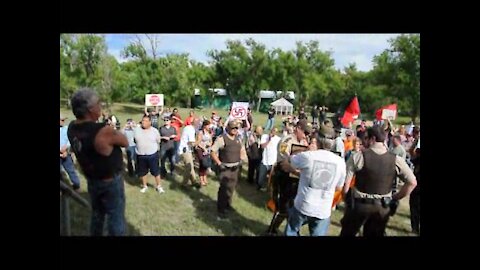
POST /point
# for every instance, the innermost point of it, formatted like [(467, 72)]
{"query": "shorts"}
[(147, 163)]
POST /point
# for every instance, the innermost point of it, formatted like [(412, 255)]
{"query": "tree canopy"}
[(243, 68)]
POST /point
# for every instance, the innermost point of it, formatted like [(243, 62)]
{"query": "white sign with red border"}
[(239, 110), (154, 100), (389, 114)]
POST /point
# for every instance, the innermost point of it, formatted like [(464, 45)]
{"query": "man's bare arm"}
[(107, 138)]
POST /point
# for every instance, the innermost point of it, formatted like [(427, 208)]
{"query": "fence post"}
[(65, 207)]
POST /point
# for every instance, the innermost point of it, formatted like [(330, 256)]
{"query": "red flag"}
[(387, 112), (351, 112)]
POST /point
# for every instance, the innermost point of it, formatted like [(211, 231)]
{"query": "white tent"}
[(282, 106)]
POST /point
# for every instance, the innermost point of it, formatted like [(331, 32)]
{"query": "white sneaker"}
[(160, 189), (143, 189)]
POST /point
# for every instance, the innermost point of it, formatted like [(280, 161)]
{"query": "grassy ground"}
[(192, 212)]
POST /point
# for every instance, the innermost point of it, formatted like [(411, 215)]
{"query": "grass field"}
[(192, 212)]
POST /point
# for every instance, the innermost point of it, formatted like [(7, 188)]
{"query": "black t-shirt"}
[(167, 132), (323, 115), (250, 119), (271, 114), (254, 151)]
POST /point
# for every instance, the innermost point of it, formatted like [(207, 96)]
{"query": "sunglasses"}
[(235, 128)]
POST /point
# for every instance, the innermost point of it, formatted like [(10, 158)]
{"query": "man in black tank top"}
[(97, 148), (371, 200)]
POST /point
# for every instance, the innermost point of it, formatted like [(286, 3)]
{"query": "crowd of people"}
[(302, 165)]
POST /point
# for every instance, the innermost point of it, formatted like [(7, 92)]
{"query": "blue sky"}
[(346, 48)]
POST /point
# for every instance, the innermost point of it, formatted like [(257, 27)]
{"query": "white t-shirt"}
[(147, 141), (321, 172), (340, 146), (269, 155), (188, 135)]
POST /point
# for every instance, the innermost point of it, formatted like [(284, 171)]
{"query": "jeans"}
[(317, 227), (164, 154), (176, 157), (67, 164), (269, 124), (262, 175), (131, 160), (107, 199)]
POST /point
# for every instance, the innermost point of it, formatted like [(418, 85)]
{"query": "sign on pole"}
[(239, 110), (389, 114), (154, 100)]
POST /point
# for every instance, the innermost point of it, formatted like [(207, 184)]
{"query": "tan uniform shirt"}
[(285, 147), (220, 144), (355, 164)]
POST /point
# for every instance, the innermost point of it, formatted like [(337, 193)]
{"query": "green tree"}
[(82, 59), (398, 69), (231, 68)]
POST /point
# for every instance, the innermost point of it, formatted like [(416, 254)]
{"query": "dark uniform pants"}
[(415, 210), (284, 192), (228, 182), (373, 217)]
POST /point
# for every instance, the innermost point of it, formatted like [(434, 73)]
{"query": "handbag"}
[(206, 162)]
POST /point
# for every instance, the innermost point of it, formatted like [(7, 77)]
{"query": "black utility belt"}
[(233, 168), (385, 201)]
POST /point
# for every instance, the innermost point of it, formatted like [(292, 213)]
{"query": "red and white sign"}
[(387, 112), (239, 110), (154, 100)]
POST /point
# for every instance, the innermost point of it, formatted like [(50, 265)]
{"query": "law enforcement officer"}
[(371, 199), (228, 152)]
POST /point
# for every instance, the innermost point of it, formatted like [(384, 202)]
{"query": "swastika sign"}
[(239, 110)]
